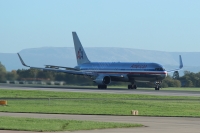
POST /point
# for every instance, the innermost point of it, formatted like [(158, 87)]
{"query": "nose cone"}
[(164, 74)]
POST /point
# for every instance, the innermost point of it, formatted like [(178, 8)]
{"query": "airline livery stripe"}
[(110, 72)]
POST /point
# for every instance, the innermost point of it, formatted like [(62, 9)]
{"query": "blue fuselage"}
[(142, 72)]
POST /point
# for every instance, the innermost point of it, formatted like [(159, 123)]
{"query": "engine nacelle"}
[(102, 79), (175, 75)]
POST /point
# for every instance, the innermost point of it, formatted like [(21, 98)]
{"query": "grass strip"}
[(99, 103), (106, 107), (52, 125)]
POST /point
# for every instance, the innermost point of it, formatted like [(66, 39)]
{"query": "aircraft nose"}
[(165, 74)]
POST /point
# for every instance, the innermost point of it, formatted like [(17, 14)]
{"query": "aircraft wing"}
[(60, 70), (56, 68), (180, 65)]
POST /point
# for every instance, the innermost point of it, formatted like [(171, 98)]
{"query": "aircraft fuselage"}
[(126, 71)]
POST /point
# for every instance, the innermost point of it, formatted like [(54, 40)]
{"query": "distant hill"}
[(65, 56)]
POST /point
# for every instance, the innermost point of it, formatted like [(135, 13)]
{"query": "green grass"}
[(41, 125), (111, 104), (109, 107), (182, 89)]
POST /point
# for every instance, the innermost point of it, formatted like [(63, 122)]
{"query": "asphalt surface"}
[(147, 91), (151, 124)]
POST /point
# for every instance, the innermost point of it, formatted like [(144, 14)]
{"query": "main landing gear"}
[(132, 86), (102, 86)]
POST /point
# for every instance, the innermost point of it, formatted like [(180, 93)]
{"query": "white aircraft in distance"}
[(103, 73)]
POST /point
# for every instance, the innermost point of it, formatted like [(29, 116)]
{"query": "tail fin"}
[(180, 62), (81, 56)]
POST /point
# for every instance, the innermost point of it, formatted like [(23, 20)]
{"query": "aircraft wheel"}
[(157, 88), (130, 86), (134, 86), (105, 86), (102, 86)]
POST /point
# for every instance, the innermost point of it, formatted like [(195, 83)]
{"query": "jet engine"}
[(102, 79), (175, 75)]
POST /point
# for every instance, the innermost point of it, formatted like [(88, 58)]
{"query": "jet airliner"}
[(103, 73)]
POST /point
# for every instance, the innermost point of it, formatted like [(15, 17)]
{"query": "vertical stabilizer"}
[(180, 62), (81, 56)]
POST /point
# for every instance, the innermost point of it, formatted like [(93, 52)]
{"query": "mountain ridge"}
[(65, 56)]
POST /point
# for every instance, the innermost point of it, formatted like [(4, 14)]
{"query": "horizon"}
[(97, 47)]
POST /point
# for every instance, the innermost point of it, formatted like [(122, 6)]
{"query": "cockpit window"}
[(159, 69)]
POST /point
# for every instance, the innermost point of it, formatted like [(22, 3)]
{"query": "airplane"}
[(103, 73)]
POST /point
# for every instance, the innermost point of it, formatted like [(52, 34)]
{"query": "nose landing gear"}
[(157, 85)]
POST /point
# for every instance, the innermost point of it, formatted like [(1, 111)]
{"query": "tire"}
[(135, 87), (105, 86), (129, 86), (100, 87), (157, 88)]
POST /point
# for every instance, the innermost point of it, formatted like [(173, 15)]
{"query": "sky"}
[(162, 25)]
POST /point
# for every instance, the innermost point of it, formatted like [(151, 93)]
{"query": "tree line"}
[(38, 75), (189, 79)]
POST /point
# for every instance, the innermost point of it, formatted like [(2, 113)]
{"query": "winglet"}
[(181, 63), (22, 61)]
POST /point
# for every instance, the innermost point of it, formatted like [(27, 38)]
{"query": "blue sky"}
[(163, 25)]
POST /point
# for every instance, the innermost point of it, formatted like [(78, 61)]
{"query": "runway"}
[(146, 91), (151, 124)]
